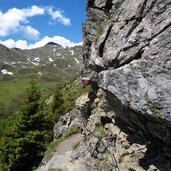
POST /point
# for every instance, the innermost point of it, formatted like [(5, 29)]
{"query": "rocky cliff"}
[(127, 52), (127, 56)]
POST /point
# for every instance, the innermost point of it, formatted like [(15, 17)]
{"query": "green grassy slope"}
[(11, 90)]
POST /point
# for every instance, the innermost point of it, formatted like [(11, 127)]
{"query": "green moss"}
[(100, 133), (118, 4), (99, 29), (58, 169)]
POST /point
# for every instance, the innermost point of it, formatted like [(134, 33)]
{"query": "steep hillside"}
[(8, 55)]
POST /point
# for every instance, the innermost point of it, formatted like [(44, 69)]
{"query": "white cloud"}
[(9, 43), (14, 18), (58, 16), (34, 10), (22, 44), (30, 32)]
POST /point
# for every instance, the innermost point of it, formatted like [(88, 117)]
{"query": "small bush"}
[(97, 162)]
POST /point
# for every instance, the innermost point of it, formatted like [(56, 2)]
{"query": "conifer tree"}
[(24, 141), (57, 105)]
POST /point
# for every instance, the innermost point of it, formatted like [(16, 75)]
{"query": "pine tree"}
[(24, 142), (57, 105)]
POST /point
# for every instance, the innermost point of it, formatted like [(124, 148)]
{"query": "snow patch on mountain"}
[(13, 63), (9, 64), (35, 63), (51, 60), (72, 52), (6, 63), (5, 72), (37, 59), (58, 54), (77, 60)]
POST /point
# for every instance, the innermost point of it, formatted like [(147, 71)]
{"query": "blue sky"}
[(33, 23)]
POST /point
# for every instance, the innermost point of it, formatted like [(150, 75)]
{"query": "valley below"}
[(51, 64)]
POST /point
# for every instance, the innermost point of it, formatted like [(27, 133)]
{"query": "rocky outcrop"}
[(105, 143), (71, 119), (127, 52), (111, 144)]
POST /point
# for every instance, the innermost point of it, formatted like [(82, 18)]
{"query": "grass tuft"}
[(76, 145), (52, 147), (100, 133), (71, 131)]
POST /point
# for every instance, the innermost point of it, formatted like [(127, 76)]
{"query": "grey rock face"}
[(83, 105), (71, 119), (132, 59), (110, 144)]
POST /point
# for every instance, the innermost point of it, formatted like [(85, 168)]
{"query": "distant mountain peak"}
[(53, 43)]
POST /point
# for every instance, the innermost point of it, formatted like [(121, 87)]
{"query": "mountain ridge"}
[(51, 57)]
